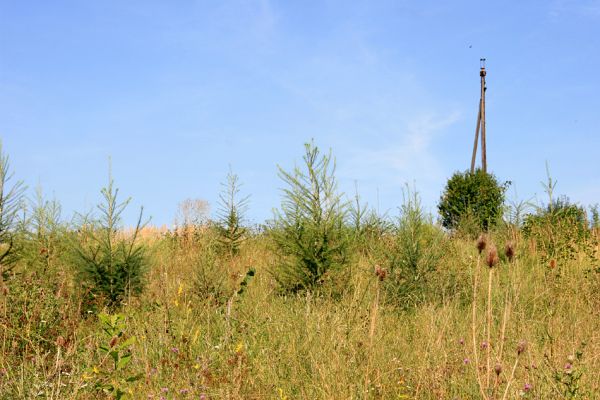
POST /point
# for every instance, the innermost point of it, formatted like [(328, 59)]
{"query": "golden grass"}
[(261, 345)]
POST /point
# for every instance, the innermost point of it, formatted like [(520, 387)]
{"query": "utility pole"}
[(480, 123)]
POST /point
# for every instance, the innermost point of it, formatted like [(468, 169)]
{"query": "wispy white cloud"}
[(585, 8), (411, 159)]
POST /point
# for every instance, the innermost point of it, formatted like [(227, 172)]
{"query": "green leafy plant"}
[(476, 196), (231, 215), (568, 378), (110, 262), (114, 356), (309, 230)]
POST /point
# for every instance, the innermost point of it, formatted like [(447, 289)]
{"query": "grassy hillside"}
[(196, 337)]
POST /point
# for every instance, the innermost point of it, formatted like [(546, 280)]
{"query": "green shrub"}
[(110, 263), (309, 230), (476, 197), (560, 230)]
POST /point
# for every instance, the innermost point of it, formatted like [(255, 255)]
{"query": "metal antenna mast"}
[(480, 123)]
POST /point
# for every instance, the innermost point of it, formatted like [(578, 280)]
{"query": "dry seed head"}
[(481, 242), (498, 369), (381, 273), (509, 251), (552, 263), (521, 347), (492, 257)]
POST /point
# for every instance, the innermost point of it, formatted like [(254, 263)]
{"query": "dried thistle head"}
[(381, 273), (481, 243), (509, 251), (492, 256), (498, 369), (521, 347)]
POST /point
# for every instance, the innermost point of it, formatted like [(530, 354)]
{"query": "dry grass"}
[(261, 345)]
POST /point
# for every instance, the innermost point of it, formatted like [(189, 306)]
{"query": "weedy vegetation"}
[(328, 300)]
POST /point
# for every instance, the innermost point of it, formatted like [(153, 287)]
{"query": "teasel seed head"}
[(498, 369), (509, 251), (492, 256), (481, 242)]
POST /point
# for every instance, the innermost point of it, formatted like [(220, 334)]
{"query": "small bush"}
[(477, 197), (560, 230), (309, 230), (110, 264)]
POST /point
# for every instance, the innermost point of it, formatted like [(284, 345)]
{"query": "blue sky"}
[(176, 91)]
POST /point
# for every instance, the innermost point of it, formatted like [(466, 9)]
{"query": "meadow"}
[(410, 311)]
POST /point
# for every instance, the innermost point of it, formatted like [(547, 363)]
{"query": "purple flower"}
[(461, 341), (527, 387), (164, 390), (203, 397), (175, 350), (183, 391), (484, 345), (466, 361)]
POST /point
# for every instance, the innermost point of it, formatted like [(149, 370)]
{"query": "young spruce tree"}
[(309, 229), (11, 202), (110, 262), (231, 215)]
